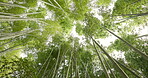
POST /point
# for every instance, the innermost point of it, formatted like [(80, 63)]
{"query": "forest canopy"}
[(73, 39)]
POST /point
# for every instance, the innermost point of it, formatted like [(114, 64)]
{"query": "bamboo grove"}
[(61, 38)]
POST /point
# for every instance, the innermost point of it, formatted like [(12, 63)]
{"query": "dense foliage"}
[(61, 39)]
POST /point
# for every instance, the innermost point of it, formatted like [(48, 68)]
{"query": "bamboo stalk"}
[(54, 72), (5, 36), (109, 67), (44, 63), (70, 60), (103, 65), (127, 43), (50, 5), (112, 60), (13, 5), (20, 19), (137, 76)]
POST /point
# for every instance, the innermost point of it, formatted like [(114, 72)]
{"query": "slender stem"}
[(103, 65), (54, 72), (62, 57), (136, 50), (143, 36), (26, 14), (140, 14), (59, 5), (50, 4), (46, 68), (6, 43), (13, 5), (8, 49), (85, 67), (128, 69), (9, 17), (44, 63), (109, 67), (5, 36), (6, 13), (20, 19), (70, 60), (112, 60)]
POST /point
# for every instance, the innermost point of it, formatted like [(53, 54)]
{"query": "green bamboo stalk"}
[(62, 57), (127, 43), (85, 67), (11, 48), (20, 19), (6, 13), (46, 68), (59, 5), (109, 67), (50, 71), (103, 65), (54, 72), (12, 5), (127, 68), (44, 63), (4, 36), (9, 17), (70, 60), (6, 43), (50, 5), (112, 60)]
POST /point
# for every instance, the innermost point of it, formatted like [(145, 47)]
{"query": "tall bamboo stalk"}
[(44, 63), (12, 5), (54, 72), (70, 61), (112, 60), (109, 67), (127, 43), (20, 19), (102, 63), (137, 76), (4, 36)]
